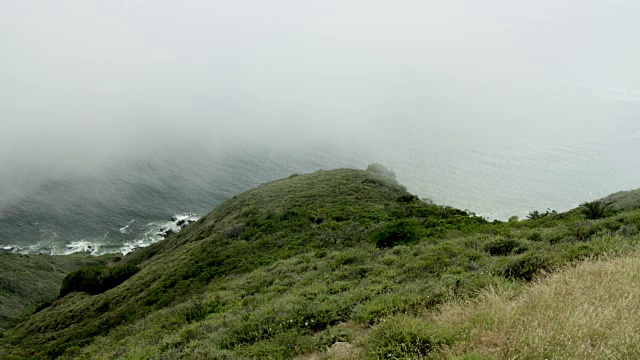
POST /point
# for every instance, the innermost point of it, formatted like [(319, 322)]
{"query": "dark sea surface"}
[(493, 169)]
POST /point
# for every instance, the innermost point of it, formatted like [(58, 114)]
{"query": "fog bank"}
[(85, 84)]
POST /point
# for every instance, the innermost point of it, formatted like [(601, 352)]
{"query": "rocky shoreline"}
[(156, 232)]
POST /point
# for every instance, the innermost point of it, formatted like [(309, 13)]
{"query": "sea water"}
[(489, 167)]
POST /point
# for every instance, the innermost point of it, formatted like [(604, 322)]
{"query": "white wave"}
[(81, 246), (152, 235), (157, 231), (33, 249), (126, 229), (89, 246)]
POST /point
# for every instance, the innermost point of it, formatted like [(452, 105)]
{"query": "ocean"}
[(496, 168)]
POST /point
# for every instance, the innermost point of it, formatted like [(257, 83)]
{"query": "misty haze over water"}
[(116, 115)]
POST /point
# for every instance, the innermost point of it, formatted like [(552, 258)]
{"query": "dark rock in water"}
[(185, 220), (9, 249), (180, 221), (163, 232), (80, 247)]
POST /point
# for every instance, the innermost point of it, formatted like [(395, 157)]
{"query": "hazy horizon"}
[(88, 85)]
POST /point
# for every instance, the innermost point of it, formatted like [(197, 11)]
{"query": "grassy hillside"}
[(309, 266), (589, 311), (622, 201), (625, 200), (27, 281)]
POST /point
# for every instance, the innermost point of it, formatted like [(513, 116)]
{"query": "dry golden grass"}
[(590, 311)]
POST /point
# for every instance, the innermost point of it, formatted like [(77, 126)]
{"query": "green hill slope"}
[(27, 281), (295, 265), (625, 200)]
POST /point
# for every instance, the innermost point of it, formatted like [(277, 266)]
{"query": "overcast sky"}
[(82, 81)]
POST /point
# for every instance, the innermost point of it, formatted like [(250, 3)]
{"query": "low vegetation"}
[(30, 282), (340, 264)]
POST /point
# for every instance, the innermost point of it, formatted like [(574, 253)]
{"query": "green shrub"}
[(397, 232), (594, 210), (117, 275), (382, 306), (535, 214), (583, 231), (578, 251), (524, 266), (438, 258), (320, 254), (96, 279), (284, 345), (334, 334), (535, 237), (347, 257), (403, 337), (505, 246), (88, 280), (408, 198), (198, 310), (628, 230), (42, 306)]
